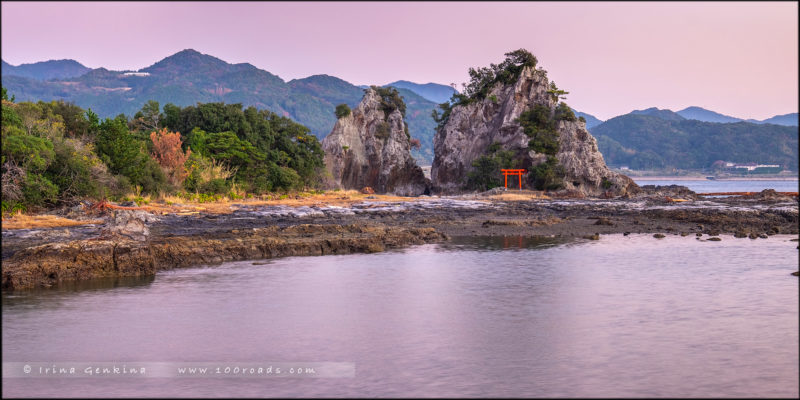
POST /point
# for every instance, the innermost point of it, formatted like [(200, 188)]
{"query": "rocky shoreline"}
[(49, 264), (131, 244)]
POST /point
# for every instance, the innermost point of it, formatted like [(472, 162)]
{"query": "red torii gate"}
[(517, 172)]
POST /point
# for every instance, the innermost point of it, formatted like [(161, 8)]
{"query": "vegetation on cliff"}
[(483, 79), (486, 172)]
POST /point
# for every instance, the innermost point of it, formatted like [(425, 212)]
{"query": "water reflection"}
[(625, 316), (38, 296), (494, 243)]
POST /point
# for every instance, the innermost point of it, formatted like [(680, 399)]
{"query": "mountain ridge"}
[(642, 141), (46, 70)]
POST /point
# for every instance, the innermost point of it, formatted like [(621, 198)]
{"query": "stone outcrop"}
[(129, 224), (54, 263), (471, 128), (368, 148)]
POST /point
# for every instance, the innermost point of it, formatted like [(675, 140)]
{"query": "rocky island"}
[(513, 109), (370, 147)]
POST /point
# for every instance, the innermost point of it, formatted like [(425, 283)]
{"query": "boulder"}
[(129, 224)]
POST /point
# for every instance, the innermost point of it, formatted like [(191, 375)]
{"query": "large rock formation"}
[(368, 148), (472, 128)]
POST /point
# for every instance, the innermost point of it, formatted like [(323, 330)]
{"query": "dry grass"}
[(168, 204), (521, 196), (22, 221)]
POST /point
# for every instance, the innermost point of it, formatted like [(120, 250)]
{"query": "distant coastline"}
[(702, 178)]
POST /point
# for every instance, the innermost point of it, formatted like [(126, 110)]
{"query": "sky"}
[(736, 58)]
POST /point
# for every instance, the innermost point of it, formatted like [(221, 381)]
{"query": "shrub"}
[(382, 131), (442, 118), (486, 172), (39, 191), (547, 175), (556, 93), (582, 119), (482, 79), (214, 186), (564, 113), (390, 100), (203, 170), (12, 180), (169, 155), (342, 110), (540, 127)]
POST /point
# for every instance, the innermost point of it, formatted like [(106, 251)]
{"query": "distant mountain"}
[(591, 120), (431, 91), (46, 70), (189, 77), (667, 115), (701, 114), (785, 119), (650, 142)]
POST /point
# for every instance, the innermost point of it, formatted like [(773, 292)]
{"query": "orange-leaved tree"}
[(168, 153)]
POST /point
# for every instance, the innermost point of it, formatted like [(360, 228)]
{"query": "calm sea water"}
[(620, 317), (718, 186)]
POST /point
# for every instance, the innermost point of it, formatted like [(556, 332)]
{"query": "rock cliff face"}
[(471, 128), (369, 148)]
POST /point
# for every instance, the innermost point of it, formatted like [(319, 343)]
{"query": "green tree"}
[(547, 175), (485, 173), (540, 127), (125, 155), (5, 96), (148, 119), (556, 93)]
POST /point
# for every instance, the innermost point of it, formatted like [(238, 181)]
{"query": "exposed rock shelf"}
[(52, 263)]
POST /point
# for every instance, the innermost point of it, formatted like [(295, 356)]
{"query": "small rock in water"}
[(753, 235), (714, 239), (596, 236), (698, 234), (626, 233), (740, 234), (796, 273), (659, 236), (763, 235), (684, 233)]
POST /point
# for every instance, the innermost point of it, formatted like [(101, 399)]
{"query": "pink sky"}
[(735, 58)]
